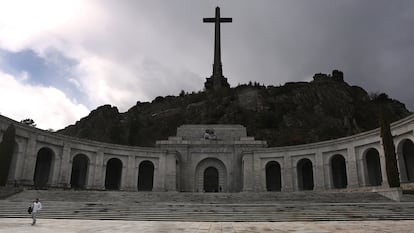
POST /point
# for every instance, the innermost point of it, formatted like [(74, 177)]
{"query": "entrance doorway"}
[(211, 180), (79, 171), (146, 176), (373, 166), (273, 176), (113, 174), (43, 167), (305, 174), (408, 158), (338, 171), (210, 176)]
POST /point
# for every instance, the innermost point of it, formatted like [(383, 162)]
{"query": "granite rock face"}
[(295, 113)]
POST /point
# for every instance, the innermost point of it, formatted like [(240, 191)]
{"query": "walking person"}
[(36, 207)]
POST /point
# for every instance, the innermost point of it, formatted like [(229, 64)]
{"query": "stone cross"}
[(217, 67)]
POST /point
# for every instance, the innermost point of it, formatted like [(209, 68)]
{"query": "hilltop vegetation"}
[(295, 113)]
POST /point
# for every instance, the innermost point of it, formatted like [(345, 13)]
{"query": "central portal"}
[(211, 180), (210, 176)]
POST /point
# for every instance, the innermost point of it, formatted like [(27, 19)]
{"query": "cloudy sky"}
[(60, 59)]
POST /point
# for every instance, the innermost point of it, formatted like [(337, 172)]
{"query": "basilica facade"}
[(205, 158)]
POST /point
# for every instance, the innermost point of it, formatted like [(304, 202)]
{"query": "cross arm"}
[(213, 20), (226, 20), (209, 20)]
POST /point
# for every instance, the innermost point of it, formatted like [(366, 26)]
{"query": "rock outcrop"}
[(295, 113)]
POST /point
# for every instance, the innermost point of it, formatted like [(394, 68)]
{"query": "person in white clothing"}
[(36, 206)]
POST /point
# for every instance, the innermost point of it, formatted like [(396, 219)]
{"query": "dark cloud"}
[(274, 42), (160, 47)]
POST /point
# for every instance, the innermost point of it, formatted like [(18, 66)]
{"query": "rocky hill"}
[(295, 113)]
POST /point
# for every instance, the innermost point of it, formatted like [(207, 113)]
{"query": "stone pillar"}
[(99, 176), (402, 169), (351, 168), (124, 175), (29, 161), (65, 167), (16, 166), (362, 169), (159, 174), (257, 185), (247, 172), (170, 172), (91, 172), (55, 169), (188, 172), (129, 177), (287, 175), (318, 174), (328, 174), (383, 167)]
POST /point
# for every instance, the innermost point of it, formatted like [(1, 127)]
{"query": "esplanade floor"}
[(8, 225)]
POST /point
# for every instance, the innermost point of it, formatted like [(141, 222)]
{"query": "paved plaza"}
[(8, 225)]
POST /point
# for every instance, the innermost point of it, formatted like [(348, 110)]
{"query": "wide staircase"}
[(165, 206)]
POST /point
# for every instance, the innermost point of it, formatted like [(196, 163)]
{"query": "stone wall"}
[(241, 161)]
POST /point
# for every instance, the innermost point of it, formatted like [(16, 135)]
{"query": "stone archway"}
[(79, 173), (407, 152), (273, 176), (208, 172), (373, 167), (43, 167), (145, 176), (305, 174), (338, 171), (113, 174)]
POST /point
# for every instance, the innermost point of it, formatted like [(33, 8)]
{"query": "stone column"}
[(383, 167), (16, 167), (159, 172), (287, 175), (362, 168), (318, 174), (247, 172), (99, 176), (327, 175), (351, 168), (257, 185), (170, 171), (91, 172), (129, 177), (188, 172), (65, 167), (402, 169), (123, 185), (29, 161), (55, 169)]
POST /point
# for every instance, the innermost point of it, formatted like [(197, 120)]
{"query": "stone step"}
[(391, 211), (297, 206), (198, 197)]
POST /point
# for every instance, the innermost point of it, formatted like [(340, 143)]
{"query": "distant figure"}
[(36, 207)]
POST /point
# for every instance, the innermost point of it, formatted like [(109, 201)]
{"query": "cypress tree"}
[(6, 153), (388, 142)]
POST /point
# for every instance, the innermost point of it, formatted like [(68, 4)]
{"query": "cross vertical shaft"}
[(217, 66)]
